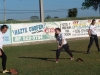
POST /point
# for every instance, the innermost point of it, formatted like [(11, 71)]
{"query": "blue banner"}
[(7, 35)]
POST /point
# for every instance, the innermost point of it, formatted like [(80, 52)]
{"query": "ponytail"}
[(56, 35)]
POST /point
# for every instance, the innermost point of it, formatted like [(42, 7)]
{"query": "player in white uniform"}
[(62, 43), (93, 36), (3, 56)]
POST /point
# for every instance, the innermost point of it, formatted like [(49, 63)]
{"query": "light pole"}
[(41, 11), (99, 8), (4, 10)]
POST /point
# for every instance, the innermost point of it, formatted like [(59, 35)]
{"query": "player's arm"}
[(57, 43), (89, 32), (0, 46), (62, 42), (63, 37), (0, 53)]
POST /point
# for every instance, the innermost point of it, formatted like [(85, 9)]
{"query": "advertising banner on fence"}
[(49, 30), (30, 32), (7, 35), (67, 28), (78, 28), (98, 26)]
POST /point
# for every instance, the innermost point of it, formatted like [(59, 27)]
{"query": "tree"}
[(94, 4), (56, 17), (72, 12), (48, 17), (34, 17), (10, 20), (75, 12)]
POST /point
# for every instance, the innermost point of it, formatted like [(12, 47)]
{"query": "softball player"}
[(93, 36), (62, 43), (3, 56)]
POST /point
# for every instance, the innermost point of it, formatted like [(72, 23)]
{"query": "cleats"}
[(5, 71)]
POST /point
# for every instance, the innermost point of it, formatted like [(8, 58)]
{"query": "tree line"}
[(94, 4), (71, 13)]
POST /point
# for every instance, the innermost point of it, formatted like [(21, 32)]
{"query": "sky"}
[(48, 5)]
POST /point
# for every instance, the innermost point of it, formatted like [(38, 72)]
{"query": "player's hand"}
[(59, 47), (0, 53), (89, 35)]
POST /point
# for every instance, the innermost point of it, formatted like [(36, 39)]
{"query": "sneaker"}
[(5, 71), (56, 61), (72, 58)]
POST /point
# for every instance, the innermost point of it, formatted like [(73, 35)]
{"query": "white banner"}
[(66, 28), (78, 28), (98, 26), (30, 32)]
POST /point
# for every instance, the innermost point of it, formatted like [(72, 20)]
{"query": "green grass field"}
[(40, 59)]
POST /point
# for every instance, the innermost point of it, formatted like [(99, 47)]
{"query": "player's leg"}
[(96, 42), (90, 44), (66, 47), (4, 59), (58, 54)]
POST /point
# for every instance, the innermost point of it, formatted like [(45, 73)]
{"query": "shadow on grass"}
[(0, 71), (74, 51), (45, 59), (83, 52), (63, 50)]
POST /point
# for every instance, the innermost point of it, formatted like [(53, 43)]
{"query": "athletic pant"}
[(4, 58), (66, 47), (93, 38)]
